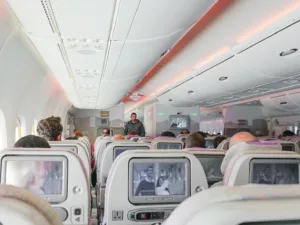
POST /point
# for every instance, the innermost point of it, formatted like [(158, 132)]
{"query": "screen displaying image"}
[(165, 145), (158, 179), (39, 177), (288, 147), (209, 143), (274, 172), (179, 122), (212, 167), (119, 150)]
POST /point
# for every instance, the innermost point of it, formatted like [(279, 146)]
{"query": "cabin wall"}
[(212, 126), (28, 90)]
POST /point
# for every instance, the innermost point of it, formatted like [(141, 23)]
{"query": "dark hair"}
[(202, 134), (149, 167), (133, 114), (50, 128), (195, 140), (108, 131), (72, 138), (218, 140), (287, 133), (157, 183), (31, 141), (168, 134), (185, 131)]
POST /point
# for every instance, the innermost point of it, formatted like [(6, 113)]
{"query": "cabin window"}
[(18, 134), (3, 140)]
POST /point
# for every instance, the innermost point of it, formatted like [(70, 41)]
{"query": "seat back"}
[(145, 140), (86, 141), (291, 146), (224, 145), (209, 142), (244, 205), (77, 147), (211, 161), (134, 139), (263, 167), (56, 175), (16, 204), (144, 187), (167, 143), (248, 146)]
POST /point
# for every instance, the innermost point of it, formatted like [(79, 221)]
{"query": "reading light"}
[(288, 52), (283, 103), (190, 91), (223, 78)]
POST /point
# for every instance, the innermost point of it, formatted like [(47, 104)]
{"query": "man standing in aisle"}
[(136, 125)]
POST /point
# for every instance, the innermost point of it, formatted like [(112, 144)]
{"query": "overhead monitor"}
[(179, 122), (72, 148), (209, 143), (152, 179), (120, 149), (169, 145), (212, 167), (274, 171), (46, 176), (288, 147)]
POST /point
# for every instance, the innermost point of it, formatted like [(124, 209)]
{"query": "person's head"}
[(132, 132), (105, 132), (149, 172), (160, 182), (50, 128), (168, 134), (202, 134), (71, 138), (218, 140), (288, 133), (133, 116), (31, 141), (185, 131), (77, 134), (118, 137), (195, 140), (242, 137)]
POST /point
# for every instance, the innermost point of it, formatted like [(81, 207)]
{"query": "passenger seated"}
[(50, 128), (288, 133), (168, 134), (118, 137), (77, 134), (218, 140), (242, 137), (71, 138), (195, 140), (31, 141), (202, 133), (185, 131), (132, 132)]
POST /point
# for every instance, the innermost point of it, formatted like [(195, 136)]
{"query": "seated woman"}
[(50, 128), (162, 186)]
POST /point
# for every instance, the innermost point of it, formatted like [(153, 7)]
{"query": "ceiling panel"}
[(81, 19), (265, 56)]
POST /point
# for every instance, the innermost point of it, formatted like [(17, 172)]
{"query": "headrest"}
[(247, 146), (34, 201)]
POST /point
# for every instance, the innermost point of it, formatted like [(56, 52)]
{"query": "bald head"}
[(118, 137), (241, 137)]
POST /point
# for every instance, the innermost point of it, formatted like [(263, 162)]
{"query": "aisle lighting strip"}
[(245, 36)]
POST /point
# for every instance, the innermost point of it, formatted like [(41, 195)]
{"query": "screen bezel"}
[(288, 144), (180, 128), (199, 156), (130, 148), (272, 161), (164, 142), (171, 199), (54, 199)]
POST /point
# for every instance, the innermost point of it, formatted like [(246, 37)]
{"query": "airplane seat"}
[(224, 145), (247, 146), (109, 155), (134, 138), (145, 140), (144, 187), (211, 161), (58, 176), (19, 206), (263, 167), (167, 143), (209, 142), (86, 141), (242, 205)]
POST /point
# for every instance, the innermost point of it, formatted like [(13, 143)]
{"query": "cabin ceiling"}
[(98, 50)]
